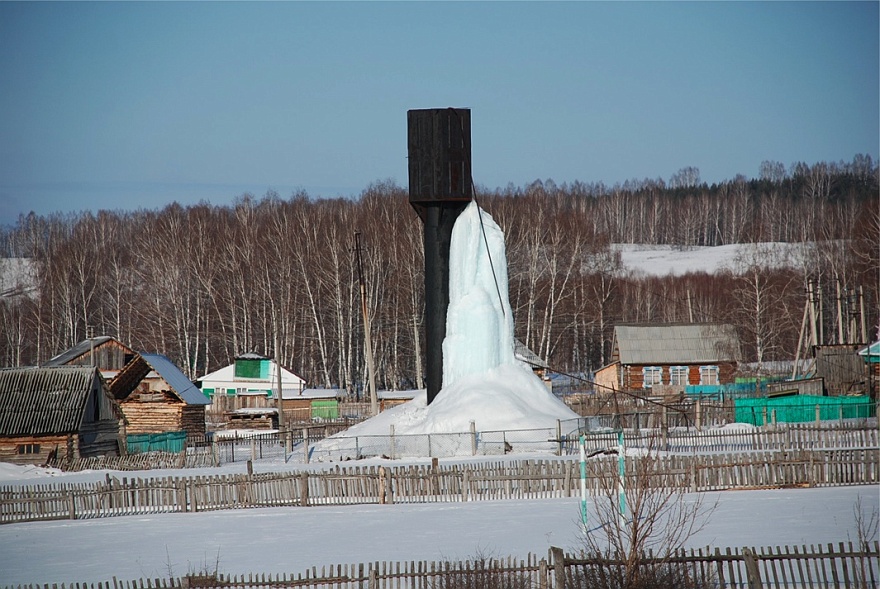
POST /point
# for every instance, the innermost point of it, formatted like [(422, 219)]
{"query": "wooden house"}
[(156, 397), (64, 412), (670, 356), (106, 353)]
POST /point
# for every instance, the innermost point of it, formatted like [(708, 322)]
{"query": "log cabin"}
[(670, 356), (62, 412), (156, 397)]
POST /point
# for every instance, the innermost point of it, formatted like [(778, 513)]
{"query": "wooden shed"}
[(105, 352), (64, 412), (156, 397), (670, 355), (843, 369)]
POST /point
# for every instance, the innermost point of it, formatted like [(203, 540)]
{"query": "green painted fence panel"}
[(802, 408), (325, 409), (164, 442)]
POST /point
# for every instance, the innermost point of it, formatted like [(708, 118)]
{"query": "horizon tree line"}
[(203, 284)]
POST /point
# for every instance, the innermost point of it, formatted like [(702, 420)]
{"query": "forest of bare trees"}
[(202, 284)]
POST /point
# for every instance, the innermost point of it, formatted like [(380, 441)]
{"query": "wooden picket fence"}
[(807, 567), (767, 438), (520, 479)]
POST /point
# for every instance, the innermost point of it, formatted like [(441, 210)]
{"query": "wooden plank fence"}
[(781, 437), (807, 567), (520, 479)]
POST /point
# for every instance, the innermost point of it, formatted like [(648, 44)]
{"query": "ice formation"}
[(483, 382)]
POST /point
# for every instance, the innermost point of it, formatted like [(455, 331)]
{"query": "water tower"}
[(439, 150)]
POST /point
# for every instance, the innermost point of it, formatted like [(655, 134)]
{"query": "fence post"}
[(374, 579), (473, 438), (558, 558), (435, 476), (543, 573), (752, 573), (391, 434), (253, 449), (818, 415), (559, 437), (306, 445), (382, 484), (304, 489), (71, 505), (389, 488)]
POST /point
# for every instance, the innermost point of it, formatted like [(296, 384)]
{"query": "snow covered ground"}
[(289, 540), (486, 386)]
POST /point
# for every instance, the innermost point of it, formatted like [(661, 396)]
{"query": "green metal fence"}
[(803, 408), (164, 442), (325, 409)]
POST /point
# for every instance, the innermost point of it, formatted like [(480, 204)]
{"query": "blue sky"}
[(125, 105)]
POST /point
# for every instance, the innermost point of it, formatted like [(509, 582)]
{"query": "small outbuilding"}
[(156, 397), (62, 412), (107, 353), (389, 399), (670, 356)]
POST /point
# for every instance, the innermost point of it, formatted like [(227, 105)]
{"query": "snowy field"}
[(660, 260), (290, 540), (484, 385)]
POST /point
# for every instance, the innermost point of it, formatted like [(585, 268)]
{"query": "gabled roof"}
[(685, 343), (314, 394), (227, 374), (134, 372), (44, 400), (78, 350)]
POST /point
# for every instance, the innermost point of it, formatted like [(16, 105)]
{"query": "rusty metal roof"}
[(676, 343), (44, 400)]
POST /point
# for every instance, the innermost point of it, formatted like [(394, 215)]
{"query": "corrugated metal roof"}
[(44, 400), (686, 343), (179, 383), (526, 355), (77, 350)]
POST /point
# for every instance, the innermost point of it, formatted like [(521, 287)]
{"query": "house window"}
[(652, 375), (678, 375), (28, 448), (708, 375)]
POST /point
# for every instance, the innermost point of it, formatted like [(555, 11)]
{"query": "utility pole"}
[(864, 325), (368, 344), (279, 402)]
